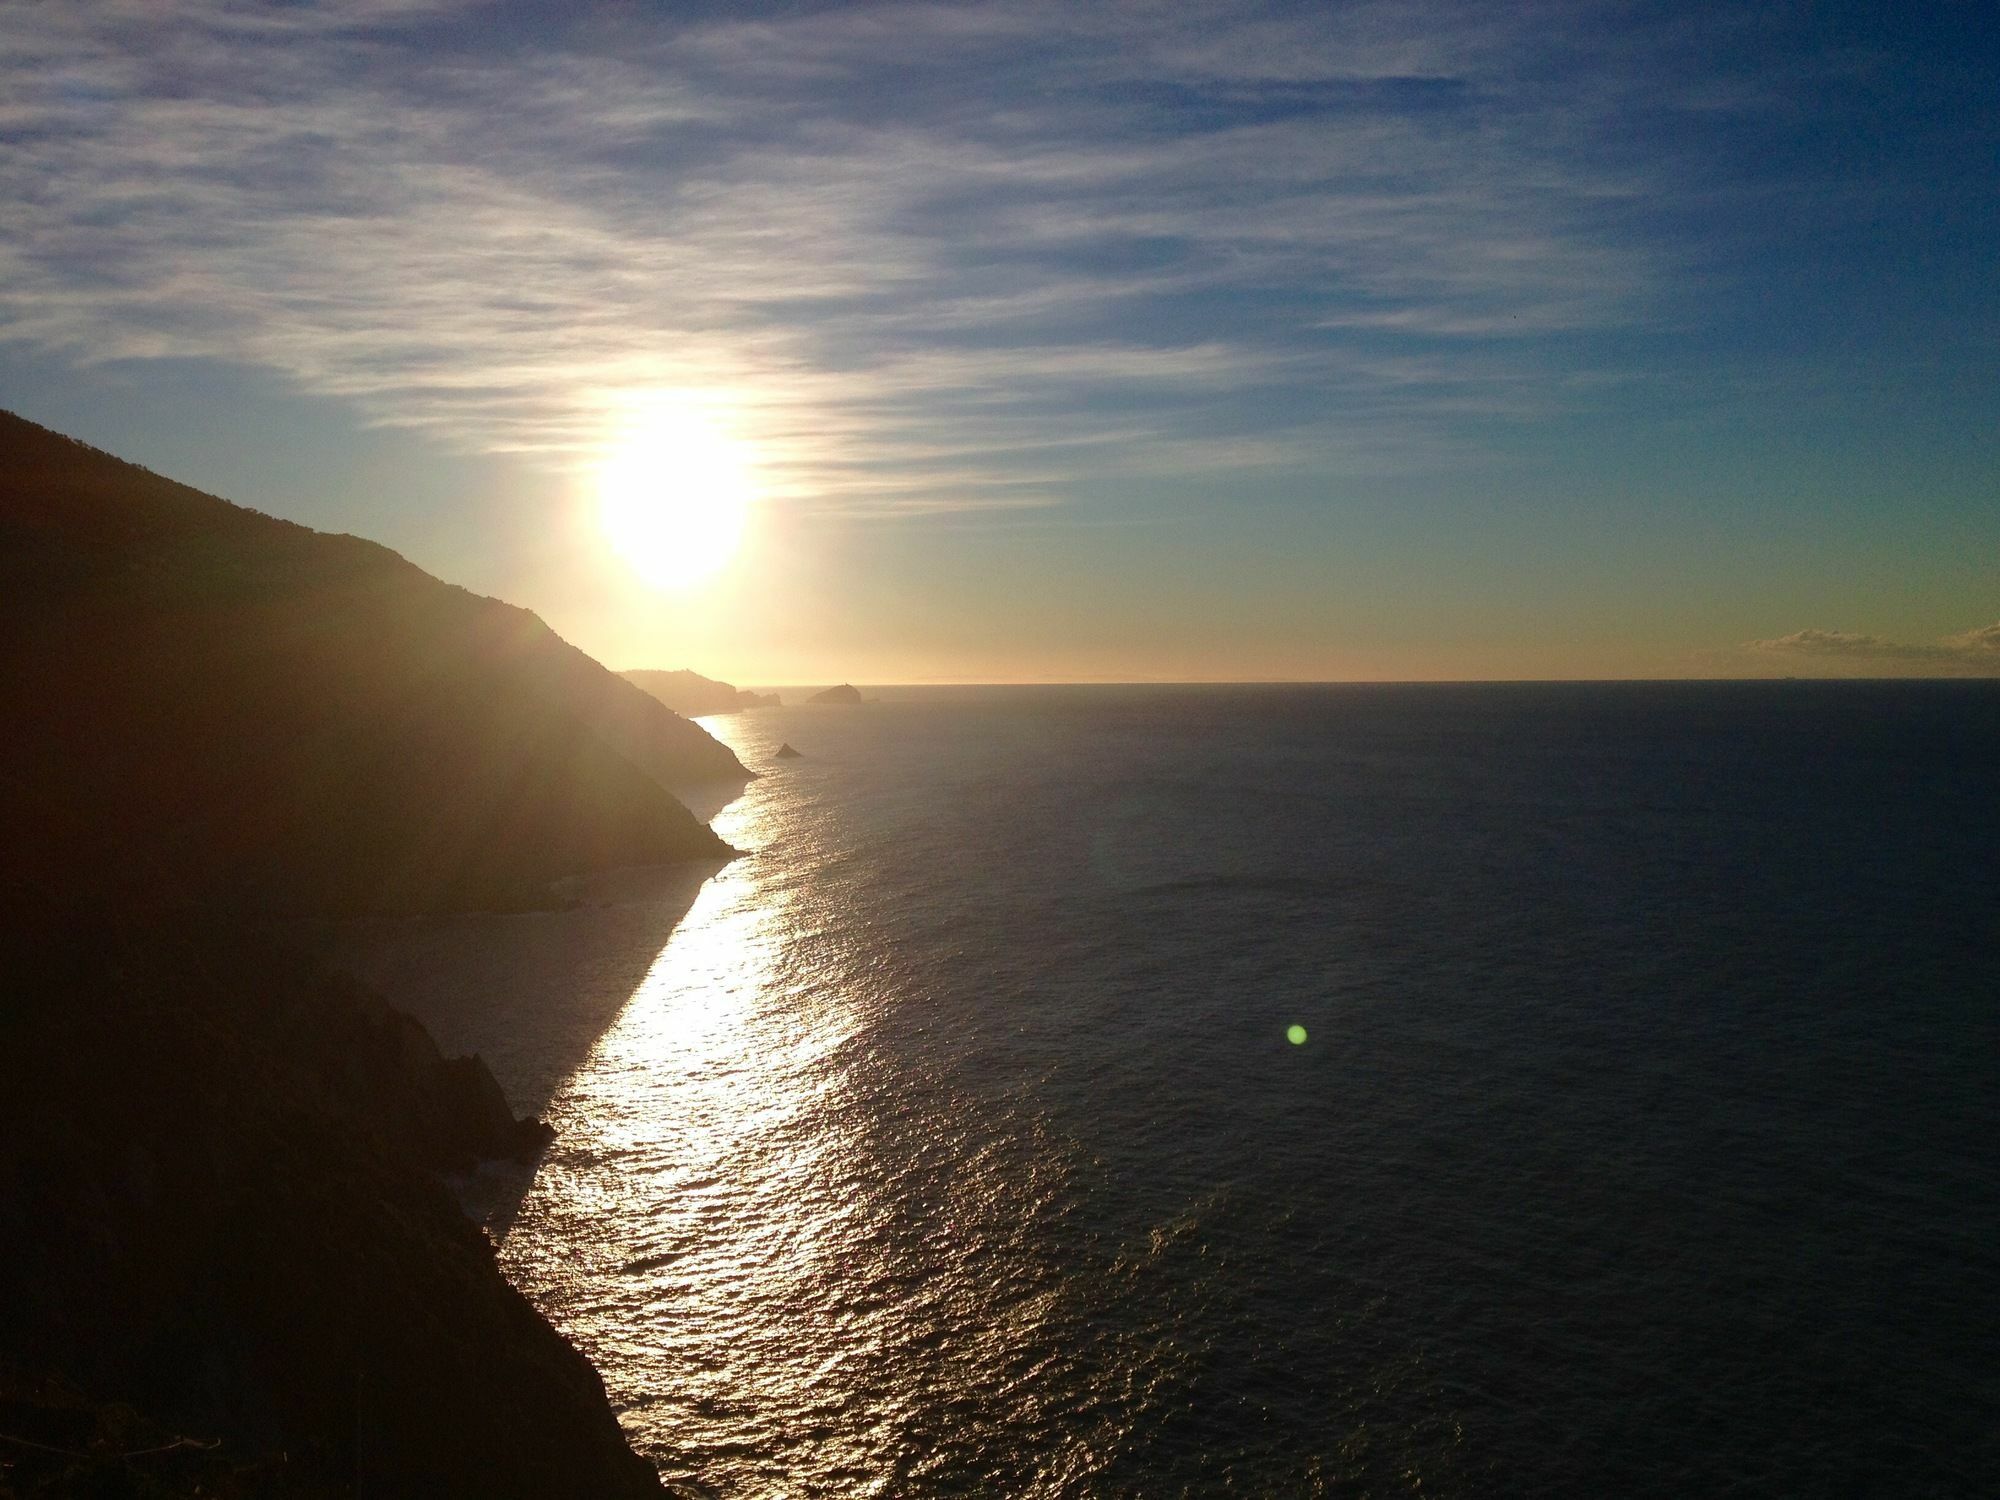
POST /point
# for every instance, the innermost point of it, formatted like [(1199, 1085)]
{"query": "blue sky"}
[(1129, 341)]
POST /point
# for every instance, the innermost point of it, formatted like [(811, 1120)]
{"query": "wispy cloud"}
[(936, 256), (1974, 648)]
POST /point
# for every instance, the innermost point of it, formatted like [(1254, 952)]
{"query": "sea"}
[(1427, 1090)]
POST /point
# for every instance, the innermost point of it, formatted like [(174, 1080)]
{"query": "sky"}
[(1055, 341)]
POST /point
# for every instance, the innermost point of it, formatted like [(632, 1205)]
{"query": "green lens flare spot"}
[(1295, 1034)]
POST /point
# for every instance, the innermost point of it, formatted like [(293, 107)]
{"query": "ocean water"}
[(951, 1142)]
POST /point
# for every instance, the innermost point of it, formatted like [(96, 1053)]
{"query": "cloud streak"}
[(935, 257), (1973, 648)]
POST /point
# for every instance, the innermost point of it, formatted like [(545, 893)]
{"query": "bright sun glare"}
[(674, 494)]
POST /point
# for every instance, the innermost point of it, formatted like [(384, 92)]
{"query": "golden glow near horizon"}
[(674, 493)]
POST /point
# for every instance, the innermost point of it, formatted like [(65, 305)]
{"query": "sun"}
[(674, 495)]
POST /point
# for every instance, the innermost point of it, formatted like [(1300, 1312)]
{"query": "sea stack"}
[(786, 752), (845, 693)]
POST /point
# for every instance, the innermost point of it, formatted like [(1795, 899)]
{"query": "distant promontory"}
[(692, 694), (845, 693)]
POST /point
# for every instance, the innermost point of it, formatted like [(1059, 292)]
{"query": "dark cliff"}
[(205, 703), (230, 1267)]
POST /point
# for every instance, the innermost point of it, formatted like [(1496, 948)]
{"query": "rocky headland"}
[(845, 693), (207, 704), (231, 1265)]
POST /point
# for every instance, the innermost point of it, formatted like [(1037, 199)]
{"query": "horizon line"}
[(939, 682)]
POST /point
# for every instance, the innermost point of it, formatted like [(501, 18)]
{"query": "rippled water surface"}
[(950, 1141)]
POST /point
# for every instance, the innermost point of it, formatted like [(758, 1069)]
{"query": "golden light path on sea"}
[(807, 1239), (683, 1230)]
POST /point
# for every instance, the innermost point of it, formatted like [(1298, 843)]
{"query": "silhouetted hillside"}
[(208, 704), (219, 1214), (691, 693)]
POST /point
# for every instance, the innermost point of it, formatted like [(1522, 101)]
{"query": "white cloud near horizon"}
[(1972, 647), (935, 257)]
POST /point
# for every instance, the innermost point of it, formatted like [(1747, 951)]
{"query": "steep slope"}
[(219, 1209), (206, 704)]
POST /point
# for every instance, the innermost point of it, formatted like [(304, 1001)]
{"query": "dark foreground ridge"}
[(230, 1267), (691, 693), (221, 1224)]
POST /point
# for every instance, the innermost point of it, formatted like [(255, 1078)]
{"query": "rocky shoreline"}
[(233, 1266)]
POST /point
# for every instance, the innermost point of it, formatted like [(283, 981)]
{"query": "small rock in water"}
[(786, 752)]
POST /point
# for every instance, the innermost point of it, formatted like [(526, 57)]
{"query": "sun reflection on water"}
[(690, 1206), (809, 1250)]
